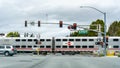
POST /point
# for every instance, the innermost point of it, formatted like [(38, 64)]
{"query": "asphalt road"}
[(51, 61)]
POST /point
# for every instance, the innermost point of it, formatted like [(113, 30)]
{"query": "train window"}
[(64, 46), (41, 46), (78, 46), (91, 39), (71, 46), (116, 46), (29, 46), (23, 46), (23, 39), (84, 39), (77, 39), (35, 40), (71, 39), (64, 39), (48, 39), (42, 39), (17, 46), (91, 46), (48, 46), (84, 46), (115, 39), (58, 39), (29, 40), (58, 46), (35, 46), (17, 40)]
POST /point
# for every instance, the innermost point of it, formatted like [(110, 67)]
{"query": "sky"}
[(13, 13)]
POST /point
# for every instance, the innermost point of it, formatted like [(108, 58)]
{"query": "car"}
[(8, 50)]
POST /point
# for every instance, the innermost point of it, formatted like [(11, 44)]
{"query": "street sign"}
[(82, 31)]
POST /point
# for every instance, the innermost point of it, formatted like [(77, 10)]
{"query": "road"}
[(51, 61)]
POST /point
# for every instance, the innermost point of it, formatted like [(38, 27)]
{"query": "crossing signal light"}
[(74, 26), (25, 23), (106, 44), (99, 43), (38, 23), (61, 23)]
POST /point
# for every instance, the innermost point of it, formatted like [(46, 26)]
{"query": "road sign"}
[(82, 31)]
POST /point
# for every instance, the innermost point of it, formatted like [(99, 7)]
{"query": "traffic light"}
[(74, 26), (38, 23), (106, 44), (70, 27), (60, 23), (25, 23)]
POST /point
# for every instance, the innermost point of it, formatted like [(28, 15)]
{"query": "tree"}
[(98, 21), (114, 29), (13, 34)]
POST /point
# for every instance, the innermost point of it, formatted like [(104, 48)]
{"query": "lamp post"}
[(104, 13)]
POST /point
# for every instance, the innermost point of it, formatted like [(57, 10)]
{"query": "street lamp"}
[(104, 13)]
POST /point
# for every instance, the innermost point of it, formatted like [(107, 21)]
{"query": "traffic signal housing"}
[(61, 24), (38, 23), (74, 26), (99, 43), (70, 27), (25, 23)]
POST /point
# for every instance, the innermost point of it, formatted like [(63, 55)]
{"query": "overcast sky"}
[(13, 13)]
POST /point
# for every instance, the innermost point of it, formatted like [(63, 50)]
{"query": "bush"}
[(118, 55), (101, 55)]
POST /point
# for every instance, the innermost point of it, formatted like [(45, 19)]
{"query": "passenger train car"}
[(72, 45)]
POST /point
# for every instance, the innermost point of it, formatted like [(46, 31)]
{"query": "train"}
[(63, 45)]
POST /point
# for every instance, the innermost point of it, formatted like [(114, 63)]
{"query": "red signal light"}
[(69, 27), (74, 26)]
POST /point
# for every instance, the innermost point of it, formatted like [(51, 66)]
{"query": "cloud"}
[(14, 12)]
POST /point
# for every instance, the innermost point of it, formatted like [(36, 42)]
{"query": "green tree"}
[(13, 34), (98, 21), (114, 29)]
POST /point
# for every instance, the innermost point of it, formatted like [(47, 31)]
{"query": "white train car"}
[(114, 43), (28, 44), (75, 44), (62, 45)]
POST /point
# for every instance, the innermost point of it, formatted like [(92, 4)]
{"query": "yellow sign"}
[(110, 53)]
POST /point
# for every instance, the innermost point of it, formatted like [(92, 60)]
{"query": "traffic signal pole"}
[(104, 13)]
